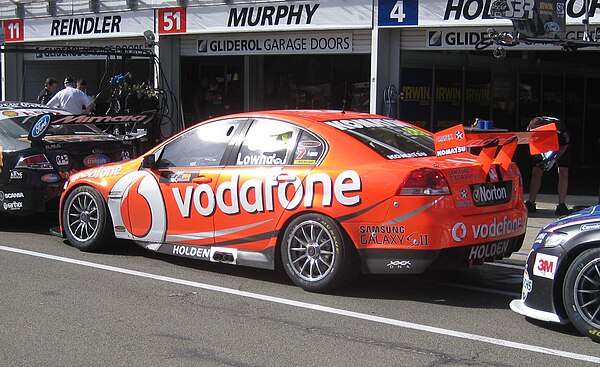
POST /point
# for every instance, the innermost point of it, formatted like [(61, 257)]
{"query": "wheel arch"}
[(66, 193), (280, 234), (561, 273)]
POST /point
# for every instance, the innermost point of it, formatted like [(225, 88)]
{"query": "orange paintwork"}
[(247, 208)]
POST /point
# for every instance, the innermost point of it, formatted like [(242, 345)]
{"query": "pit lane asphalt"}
[(57, 313)]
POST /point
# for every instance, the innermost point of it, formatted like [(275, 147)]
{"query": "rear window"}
[(19, 126), (392, 139)]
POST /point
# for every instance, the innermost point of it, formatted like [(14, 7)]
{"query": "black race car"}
[(40, 147), (561, 282)]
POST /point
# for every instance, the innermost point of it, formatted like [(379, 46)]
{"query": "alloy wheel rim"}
[(587, 293), (82, 217), (311, 251)]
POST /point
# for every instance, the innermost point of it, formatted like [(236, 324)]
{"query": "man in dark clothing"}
[(545, 162), (49, 89)]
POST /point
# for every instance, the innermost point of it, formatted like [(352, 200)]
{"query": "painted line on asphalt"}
[(310, 306)]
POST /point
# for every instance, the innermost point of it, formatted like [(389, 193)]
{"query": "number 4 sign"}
[(394, 13), (13, 30), (172, 20)]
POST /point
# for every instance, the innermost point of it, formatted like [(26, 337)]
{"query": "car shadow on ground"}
[(567, 329)]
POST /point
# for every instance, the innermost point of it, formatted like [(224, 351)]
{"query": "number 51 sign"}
[(172, 20), (394, 13)]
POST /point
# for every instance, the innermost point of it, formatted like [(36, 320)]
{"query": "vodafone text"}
[(497, 228), (262, 191)]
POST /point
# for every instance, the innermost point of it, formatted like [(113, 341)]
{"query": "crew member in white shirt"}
[(71, 99)]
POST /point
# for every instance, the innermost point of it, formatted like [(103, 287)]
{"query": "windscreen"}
[(392, 139)]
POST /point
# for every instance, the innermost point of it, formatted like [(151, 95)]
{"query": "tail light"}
[(424, 181), (38, 161)]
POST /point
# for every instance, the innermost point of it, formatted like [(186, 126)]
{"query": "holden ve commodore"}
[(326, 194)]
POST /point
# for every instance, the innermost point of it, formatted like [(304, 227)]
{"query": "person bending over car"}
[(546, 161), (71, 99)]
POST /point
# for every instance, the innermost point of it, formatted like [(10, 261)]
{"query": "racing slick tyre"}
[(316, 254), (581, 293), (86, 220)]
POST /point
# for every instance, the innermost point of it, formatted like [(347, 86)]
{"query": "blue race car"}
[(561, 282)]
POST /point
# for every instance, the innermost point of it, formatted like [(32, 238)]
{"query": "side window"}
[(267, 143), (309, 151), (200, 147)]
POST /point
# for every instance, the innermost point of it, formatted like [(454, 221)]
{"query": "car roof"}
[(16, 105), (311, 115)]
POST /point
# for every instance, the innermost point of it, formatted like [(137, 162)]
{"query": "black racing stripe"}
[(360, 212), (258, 237)]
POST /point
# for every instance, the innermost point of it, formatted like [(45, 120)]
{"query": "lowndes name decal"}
[(267, 193)]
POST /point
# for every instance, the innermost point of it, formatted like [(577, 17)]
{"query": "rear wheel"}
[(85, 219), (315, 253), (581, 293)]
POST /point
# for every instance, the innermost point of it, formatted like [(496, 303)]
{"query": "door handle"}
[(201, 180)]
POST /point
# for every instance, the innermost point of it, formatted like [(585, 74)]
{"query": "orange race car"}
[(325, 193)]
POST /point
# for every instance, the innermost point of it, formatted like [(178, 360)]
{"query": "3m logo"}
[(545, 265)]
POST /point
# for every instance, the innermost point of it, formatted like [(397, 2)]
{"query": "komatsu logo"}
[(253, 16)]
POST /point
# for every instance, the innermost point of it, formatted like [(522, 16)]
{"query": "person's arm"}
[(561, 150), (54, 101)]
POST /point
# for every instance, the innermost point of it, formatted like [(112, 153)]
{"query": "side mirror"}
[(149, 161)]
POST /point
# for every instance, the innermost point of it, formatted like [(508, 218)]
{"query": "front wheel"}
[(315, 253), (581, 293), (85, 219)]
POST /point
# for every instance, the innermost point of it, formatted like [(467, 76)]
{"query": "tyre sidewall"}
[(338, 272), (100, 238), (569, 293)]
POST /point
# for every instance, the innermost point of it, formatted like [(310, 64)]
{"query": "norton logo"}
[(40, 126), (491, 193), (435, 38), (94, 160)]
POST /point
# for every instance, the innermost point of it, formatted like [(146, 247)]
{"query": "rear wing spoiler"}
[(43, 122), (496, 147)]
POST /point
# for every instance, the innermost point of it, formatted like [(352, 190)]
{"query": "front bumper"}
[(541, 296)]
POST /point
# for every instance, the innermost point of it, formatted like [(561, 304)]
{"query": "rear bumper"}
[(413, 261)]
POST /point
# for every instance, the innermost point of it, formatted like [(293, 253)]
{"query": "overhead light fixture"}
[(51, 8), (132, 4), (150, 38), (94, 6)]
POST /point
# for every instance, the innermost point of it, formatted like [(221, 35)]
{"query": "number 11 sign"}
[(13, 30)]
